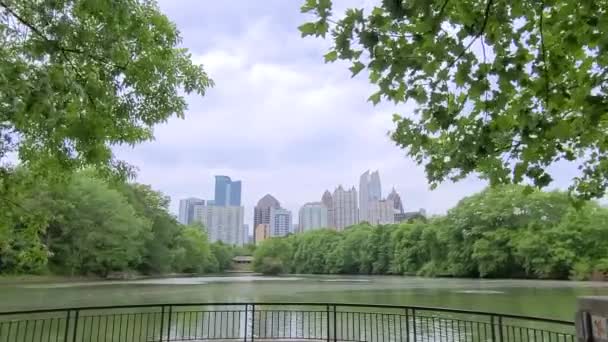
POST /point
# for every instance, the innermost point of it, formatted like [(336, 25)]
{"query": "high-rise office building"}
[(370, 190), (280, 222), (397, 204), (328, 202), (261, 233), (223, 223), (186, 209), (261, 212), (227, 192), (346, 211), (381, 212), (312, 215)]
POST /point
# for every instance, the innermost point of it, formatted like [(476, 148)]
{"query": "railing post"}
[(327, 323), (75, 325), (407, 326), (67, 326), (246, 323), (493, 328), (414, 323), (500, 328), (169, 323), (162, 322), (252, 322), (335, 325)]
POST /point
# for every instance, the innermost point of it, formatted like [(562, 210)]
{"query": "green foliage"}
[(270, 266), (500, 89), (280, 250), (89, 226), (193, 253), (223, 255), (498, 233), (80, 76), (98, 231)]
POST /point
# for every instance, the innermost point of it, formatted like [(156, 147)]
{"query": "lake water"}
[(555, 299)]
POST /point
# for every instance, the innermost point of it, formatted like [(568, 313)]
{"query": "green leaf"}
[(331, 56), (356, 68), (308, 29), (375, 98)]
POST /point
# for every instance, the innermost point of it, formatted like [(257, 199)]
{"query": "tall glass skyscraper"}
[(227, 192)]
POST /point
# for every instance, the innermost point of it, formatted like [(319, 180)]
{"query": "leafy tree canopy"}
[(79, 76), (503, 88)]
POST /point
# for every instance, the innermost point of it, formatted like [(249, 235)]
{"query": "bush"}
[(270, 266)]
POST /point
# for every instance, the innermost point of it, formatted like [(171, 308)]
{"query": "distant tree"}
[(153, 205), (192, 253), (278, 249), (97, 231), (503, 89), (270, 266), (223, 254)]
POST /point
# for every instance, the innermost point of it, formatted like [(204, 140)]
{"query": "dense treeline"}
[(500, 232), (86, 225)]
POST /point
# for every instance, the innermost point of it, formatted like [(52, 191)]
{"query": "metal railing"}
[(276, 321)]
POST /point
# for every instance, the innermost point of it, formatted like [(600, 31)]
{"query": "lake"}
[(555, 299)]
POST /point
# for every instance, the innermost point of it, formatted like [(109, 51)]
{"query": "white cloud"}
[(279, 119)]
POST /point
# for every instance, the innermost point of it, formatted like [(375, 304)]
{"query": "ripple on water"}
[(163, 281), (480, 291)]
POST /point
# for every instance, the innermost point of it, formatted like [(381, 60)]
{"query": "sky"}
[(278, 118)]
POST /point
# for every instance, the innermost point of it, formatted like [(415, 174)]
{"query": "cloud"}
[(278, 119)]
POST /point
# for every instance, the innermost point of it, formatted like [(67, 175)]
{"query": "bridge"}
[(249, 322)]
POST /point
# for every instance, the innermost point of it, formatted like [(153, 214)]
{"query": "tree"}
[(79, 76), (154, 205), (480, 229), (97, 231), (223, 255), (277, 250), (270, 266), (193, 253), (503, 88)]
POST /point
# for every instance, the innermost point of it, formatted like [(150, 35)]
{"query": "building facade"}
[(381, 212), (261, 212), (328, 201), (280, 222), (397, 204), (227, 192), (370, 190), (223, 223), (262, 232), (346, 211), (312, 215), (186, 209)]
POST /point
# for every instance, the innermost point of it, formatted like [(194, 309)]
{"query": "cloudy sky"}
[(278, 119)]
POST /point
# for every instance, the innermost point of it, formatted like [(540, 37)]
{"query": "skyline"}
[(279, 118), (267, 204)]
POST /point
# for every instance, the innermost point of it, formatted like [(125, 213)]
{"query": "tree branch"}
[(481, 30), (543, 54)]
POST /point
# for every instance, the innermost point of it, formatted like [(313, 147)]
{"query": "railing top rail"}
[(357, 305)]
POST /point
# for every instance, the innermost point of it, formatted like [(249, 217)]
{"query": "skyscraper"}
[(369, 190), (397, 204), (312, 215), (328, 202), (223, 223), (261, 212), (280, 222), (381, 212), (227, 192), (346, 212), (186, 209)]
